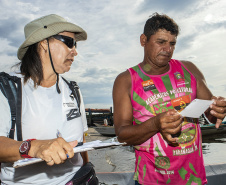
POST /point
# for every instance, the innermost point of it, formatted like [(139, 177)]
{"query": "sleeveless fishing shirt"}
[(158, 162)]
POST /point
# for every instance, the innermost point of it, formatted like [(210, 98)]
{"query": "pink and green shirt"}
[(157, 162)]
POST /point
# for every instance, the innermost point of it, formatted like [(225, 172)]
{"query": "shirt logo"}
[(148, 85), (74, 113), (162, 162), (178, 77), (69, 104), (180, 103)]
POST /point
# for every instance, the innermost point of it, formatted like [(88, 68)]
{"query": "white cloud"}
[(209, 55), (27, 7), (6, 47), (7, 62)]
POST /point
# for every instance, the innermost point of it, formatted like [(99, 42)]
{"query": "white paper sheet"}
[(85, 147), (196, 108)]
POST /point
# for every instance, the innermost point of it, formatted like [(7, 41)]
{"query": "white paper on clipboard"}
[(196, 108), (92, 145)]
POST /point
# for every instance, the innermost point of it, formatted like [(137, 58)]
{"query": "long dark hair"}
[(31, 66)]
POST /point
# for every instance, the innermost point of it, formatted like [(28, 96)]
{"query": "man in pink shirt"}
[(147, 100)]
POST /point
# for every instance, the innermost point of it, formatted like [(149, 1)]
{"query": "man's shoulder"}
[(125, 75), (192, 68), (188, 64), (123, 80)]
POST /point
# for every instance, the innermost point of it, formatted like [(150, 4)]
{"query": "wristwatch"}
[(24, 148)]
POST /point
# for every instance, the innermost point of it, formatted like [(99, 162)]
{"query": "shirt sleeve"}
[(5, 116), (83, 113)]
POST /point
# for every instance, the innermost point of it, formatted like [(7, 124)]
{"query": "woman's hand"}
[(54, 151)]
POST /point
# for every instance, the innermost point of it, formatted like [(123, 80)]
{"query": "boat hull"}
[(211, 129), (105, 130), (205, 129)]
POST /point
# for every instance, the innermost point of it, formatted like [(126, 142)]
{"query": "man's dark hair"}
[(31, 66), (157, 21)]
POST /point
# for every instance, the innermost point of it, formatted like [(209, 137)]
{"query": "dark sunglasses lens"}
[(70, 42)]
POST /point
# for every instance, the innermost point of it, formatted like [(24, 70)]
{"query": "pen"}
[(60, 135)]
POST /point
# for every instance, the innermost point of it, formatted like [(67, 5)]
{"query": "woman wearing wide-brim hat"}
[(52, 122)]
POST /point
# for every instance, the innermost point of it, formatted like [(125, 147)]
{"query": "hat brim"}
[(52, 29)]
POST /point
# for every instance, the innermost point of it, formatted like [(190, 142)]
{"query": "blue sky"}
[(114, 28)]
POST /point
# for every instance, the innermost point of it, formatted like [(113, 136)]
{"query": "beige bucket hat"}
[(46, 26)]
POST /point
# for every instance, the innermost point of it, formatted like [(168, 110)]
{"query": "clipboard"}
[(85, 147)]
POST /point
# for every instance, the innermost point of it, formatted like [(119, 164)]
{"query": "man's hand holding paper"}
[(169, 123), (218, 109), (215, 109)]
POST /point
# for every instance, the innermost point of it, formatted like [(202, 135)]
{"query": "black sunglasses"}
[(70, 42)]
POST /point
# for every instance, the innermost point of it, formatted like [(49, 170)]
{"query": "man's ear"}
[(143, 40)]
